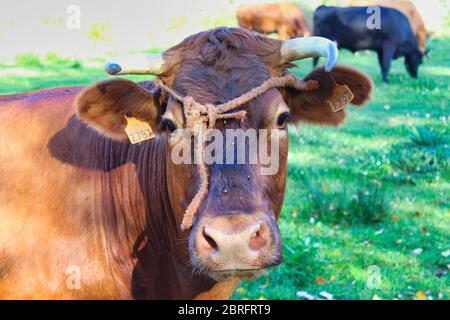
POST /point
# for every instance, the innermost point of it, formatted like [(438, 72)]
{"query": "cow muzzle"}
[(235, 245)]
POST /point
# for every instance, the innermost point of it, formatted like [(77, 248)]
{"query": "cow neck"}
[(151, 170), (133, 189), (140, 231)]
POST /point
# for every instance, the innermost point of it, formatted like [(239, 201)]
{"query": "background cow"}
[(409, 10), (348, 27), (86, 214), (284, 18)]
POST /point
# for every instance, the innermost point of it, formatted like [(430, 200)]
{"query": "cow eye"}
[(283, 119), (168, 125)]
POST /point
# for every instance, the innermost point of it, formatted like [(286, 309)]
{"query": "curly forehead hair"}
[(222, 61)]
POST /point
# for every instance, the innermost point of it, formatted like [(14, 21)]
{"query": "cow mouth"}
[(232, 273), (246, 273), (223, 275)]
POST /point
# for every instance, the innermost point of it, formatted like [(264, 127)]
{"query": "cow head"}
[(412, 62), (234, 232)]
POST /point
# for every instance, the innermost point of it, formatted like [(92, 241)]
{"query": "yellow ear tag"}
[(137, 130), (340, 97)]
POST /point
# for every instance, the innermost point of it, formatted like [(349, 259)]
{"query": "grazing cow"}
[(84, 213), (409, 10), (284, 18), (348, 27)]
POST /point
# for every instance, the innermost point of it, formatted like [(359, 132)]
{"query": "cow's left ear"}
[(326, 105), (104, 105)]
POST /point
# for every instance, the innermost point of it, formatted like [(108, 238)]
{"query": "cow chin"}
[(233, 274)]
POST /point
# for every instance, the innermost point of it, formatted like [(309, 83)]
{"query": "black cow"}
[(349, 28)]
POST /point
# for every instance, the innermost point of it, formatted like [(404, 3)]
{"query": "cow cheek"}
[(181, 187), (277, 182)]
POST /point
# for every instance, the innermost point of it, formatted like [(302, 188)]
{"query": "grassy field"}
[(369, 197)]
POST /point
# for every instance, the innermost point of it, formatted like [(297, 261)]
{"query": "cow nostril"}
[(209, 241), (259, 238)]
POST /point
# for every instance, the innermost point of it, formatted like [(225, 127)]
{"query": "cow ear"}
[(319, 105), (104, 105)]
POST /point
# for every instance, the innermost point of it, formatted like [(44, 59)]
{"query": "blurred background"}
[(112, 27), (366, 214)]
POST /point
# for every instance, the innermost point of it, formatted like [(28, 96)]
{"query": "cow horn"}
[(307, 47), (151, 63)]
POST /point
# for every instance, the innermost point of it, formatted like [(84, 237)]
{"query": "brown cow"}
[(86, 214), (284, 18), (409, 10)]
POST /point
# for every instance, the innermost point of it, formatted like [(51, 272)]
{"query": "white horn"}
[(151, 63), (307, 47)]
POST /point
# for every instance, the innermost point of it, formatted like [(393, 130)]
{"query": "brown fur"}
[(286, 19), (311, 106), (70, 195), (105, 104)]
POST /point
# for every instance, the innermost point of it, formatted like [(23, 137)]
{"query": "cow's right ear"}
[(104, 105)]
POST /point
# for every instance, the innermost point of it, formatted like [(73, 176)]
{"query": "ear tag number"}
[(340, 97), (137, 130)]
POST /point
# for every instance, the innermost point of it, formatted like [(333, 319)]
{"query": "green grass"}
[(373, 192)]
